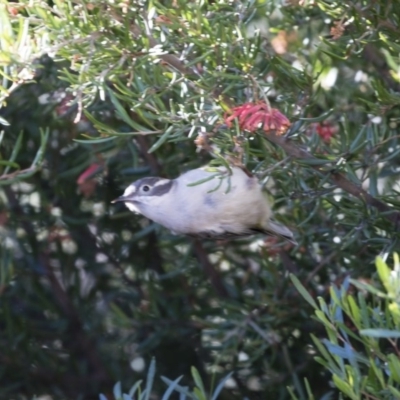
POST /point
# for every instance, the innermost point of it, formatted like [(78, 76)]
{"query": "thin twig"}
[(28, 172), (151, 160), (341, 181), (209, 269), (12, 88), (323, 262)]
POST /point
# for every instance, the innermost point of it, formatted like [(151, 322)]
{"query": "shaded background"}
[(105, 94)]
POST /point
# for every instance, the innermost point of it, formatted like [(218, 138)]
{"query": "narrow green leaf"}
[(23, 35), (44, 136), (331, 363), (333, 55), (351, 174), (122, 112), (220, 386), (181, 389), (204, 180), (383, 272), (15, 151), (171, 388), (199, 394), (117, 391), (354, 310), (368, 287), (310, 215), (163, 138), (377, 370), (308, 389), (200, 58), (360, 139), (380, 333), (134, 388), (9, 164), (303, 291), (96, 140), (344, 387), (150, 379), (320, 118), (312, 161), (394, 367), (321, 316), (394, 391), (393, 155), (198, 381), (4, 122), (373, 182), (292, 395)]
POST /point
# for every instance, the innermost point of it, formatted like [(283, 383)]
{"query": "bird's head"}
[(145, 192)]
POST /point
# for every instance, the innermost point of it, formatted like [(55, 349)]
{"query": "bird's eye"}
[(145, 188)]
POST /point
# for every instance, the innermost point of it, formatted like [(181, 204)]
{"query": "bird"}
[(207, 202)]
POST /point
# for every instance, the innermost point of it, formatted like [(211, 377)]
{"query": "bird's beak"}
[(119, 199), (129, 202)]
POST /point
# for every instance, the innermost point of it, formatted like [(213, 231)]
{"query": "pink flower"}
[(254, 116), (325, 131)]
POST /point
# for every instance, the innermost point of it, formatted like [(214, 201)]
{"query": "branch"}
[(12, 88), (341, 181), (23, 173), (151, 160), (211, 272)]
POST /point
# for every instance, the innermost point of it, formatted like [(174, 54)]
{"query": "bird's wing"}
[(273, 229)]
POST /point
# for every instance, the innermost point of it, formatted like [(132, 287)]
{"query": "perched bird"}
[(206, 202)]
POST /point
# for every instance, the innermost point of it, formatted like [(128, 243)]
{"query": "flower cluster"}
[(325, 130), (254, 116)]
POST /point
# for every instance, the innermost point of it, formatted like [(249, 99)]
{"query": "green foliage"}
[(198, 393), (362, 326), (96, 94)]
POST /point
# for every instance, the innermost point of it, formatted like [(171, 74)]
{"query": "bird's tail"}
[(276, 229)]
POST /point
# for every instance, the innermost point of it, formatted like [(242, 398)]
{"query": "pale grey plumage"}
[(205, 202)]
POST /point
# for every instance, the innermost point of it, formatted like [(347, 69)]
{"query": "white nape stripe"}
[(161, 182)]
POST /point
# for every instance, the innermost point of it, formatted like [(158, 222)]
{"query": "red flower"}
[(254, 116), (325, 130), (86, 181), (88, 173)]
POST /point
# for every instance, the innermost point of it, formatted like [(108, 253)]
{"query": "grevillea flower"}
[(86, 181), (325, 130), (254, 116), (88, 173)]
